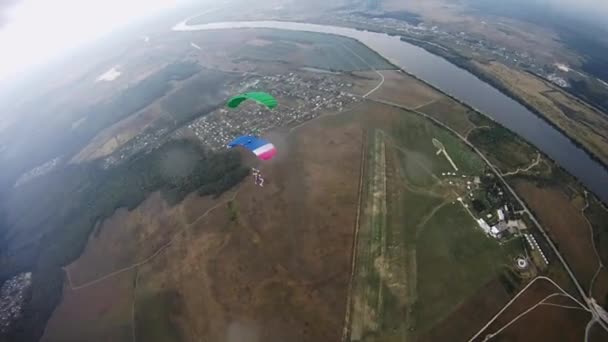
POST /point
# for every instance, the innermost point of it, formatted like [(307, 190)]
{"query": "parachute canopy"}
[(259, 97), (260, 147)]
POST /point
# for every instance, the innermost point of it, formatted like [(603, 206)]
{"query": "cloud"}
[(582, 12), (596, 9), (5, 8), (36, 31)]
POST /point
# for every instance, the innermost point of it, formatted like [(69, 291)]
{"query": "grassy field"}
[(270, 263), (420, 255), (127, 237), (98, 313), (583, 123), (470, 315), (402, 89), (455, 260), (310, 49), (452, 114), (413, 133)]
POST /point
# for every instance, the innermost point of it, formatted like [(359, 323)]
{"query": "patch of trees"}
[(479, 206), (82, 195), (200, 95), (596, 97), (492, 138)]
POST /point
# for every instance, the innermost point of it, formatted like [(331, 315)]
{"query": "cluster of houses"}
[(500, 226)]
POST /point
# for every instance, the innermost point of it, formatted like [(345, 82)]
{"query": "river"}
[(462, 85)]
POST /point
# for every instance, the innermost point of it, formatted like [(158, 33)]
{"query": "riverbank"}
[(469, 66), (450, 78)]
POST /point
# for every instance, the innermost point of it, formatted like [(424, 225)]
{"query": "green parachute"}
[(259, 97)]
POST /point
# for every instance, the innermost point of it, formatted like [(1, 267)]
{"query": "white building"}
[(484, 226), (501, 214)]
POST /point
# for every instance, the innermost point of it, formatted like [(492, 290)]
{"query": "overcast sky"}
[(594, 11), (597, 8), (34, 31)]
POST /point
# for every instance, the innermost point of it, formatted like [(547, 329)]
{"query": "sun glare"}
[(40, 30)]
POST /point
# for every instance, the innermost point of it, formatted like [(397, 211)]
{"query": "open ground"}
[(419, 253), (580, 121), (274, 264)]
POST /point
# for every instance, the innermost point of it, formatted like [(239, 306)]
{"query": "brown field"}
[(597, 334), (535, 293), (545, 323), (565, 225), (581, 122), (404, 90), (101, 313), (600, 288), (560, 324), (467, 319), (281, 269), (131, 236), (451, 113), (274, 265)]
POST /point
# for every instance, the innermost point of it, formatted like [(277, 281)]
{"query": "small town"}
[(304, 98), (416, 31), (12, 295)]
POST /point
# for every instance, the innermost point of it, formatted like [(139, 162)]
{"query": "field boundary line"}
[(600, 265), (362, 168), (491, 335), (426, 104), (517, 296), (371, 67), (564, 306), (466, 135), (153, 255), (133, 322), (587, 328), (420, 226), (530, 167), (400, 149)]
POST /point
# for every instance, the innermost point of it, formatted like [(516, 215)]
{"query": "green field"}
[(198, 96), (420, 254), (456, 258), (504, 149), (317, 50)]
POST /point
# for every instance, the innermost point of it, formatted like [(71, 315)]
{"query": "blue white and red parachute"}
[(263, 149)]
